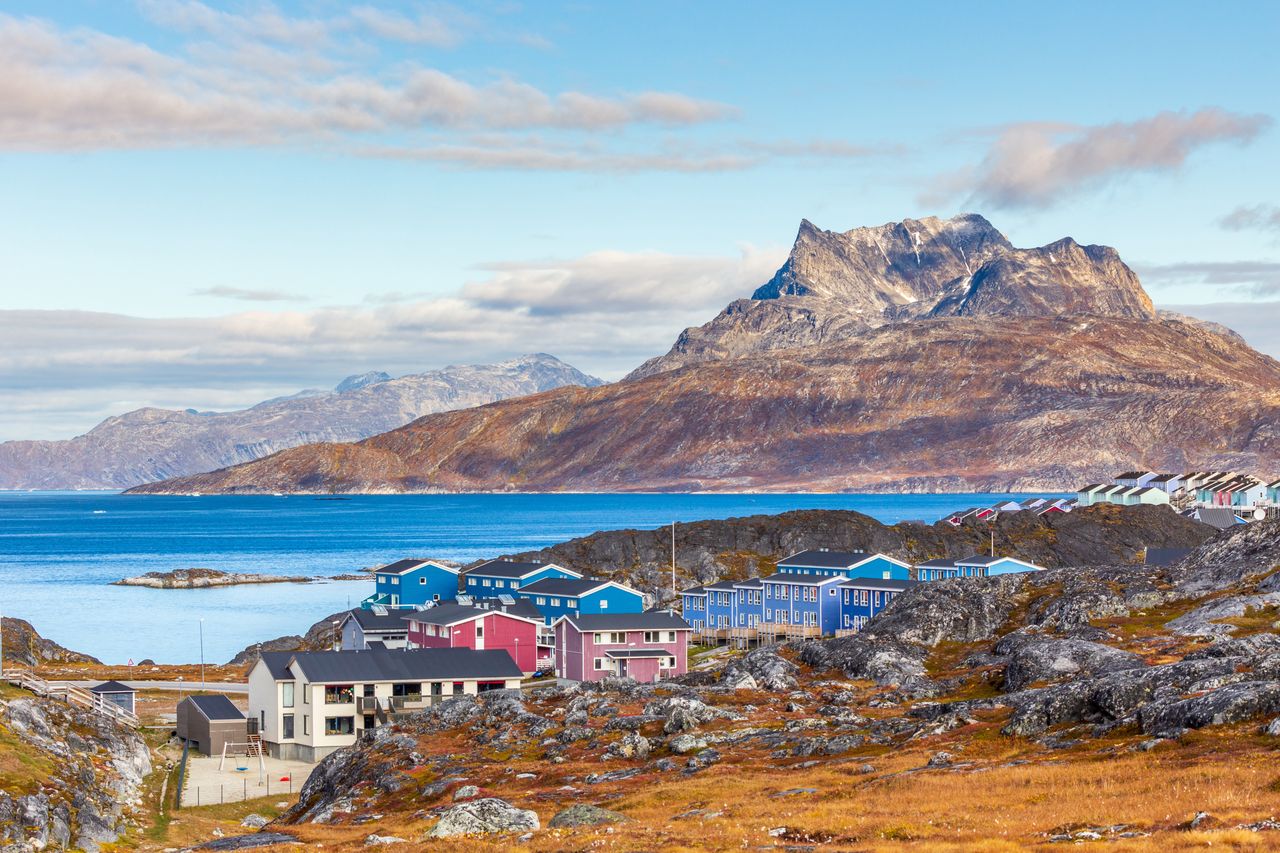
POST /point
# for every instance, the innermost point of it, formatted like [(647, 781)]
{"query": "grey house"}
[(210, 722), (115, 693)]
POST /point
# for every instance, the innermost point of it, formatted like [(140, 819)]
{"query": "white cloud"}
[(618, 309), (245, 295), (1036, 164), (1259, 217), (1254, 278)]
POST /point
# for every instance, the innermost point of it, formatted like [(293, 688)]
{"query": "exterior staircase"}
[(68, 693)]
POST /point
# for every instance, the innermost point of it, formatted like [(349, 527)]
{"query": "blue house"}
[(943, 568), (863, 598), (556, 597), (504, 577), (979, 566), (722, 605), (849, 564), (694, 601), (749, 603), (801, 600), (410, 583)]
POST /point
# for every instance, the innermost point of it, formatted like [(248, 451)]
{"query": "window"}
[(479, 631), (435, 597), (666, 663), (488, 582), (573, 604), (306, 695), (600, 664), (286, 694), (540, 599), (339, 694), (286, 731), (458, 688), (395, 581), (484, 686), (306, 724), (499, 584), (846, 596), (339, 725), (407, 690), (555, 602), (602, 637), (604, 604), (471, 581), (422, 581)]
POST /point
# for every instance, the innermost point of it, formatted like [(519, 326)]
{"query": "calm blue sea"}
[(59, 551)]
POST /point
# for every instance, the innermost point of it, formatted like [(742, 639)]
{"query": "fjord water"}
[(59, 552)]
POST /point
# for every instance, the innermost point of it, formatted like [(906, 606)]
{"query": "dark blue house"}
[(505, 577), (556, 597), (940, 569), (694, 600), (722, 605), (849, 564), (748, 603), (410, 583), (862, 598), (804, 600)]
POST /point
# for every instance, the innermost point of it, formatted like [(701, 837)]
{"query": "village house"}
[(939, 569), (557, 597), (504, 577), (694, 606), (863, 598), (805, 605), (980, 566), (645, 647), (209, 723), (850, 564), (409, 583), (1135, 479), (375, 628), (453, 625), (1273, 492), (305, 705)]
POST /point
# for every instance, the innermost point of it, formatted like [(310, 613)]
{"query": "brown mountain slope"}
[(941, 404)]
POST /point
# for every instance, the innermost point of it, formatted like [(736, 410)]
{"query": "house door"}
[(622, 668)]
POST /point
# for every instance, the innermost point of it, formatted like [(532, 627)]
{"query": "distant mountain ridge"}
[(925, 355), (154, 444)]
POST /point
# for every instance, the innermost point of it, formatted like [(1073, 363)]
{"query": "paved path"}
[(184, 686)]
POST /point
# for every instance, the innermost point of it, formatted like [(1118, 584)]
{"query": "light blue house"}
[(749, 602), (410, 583), (979, 566), (1273, 492), (802, 600), (504, 577), (862, 598), (940, 569), (557, 596), (694, 601), (722, 605), (849, 564)]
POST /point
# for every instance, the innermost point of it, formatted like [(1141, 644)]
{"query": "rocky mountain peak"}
[(361, 380)]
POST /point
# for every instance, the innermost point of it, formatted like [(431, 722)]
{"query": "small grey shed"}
[(210, 722)]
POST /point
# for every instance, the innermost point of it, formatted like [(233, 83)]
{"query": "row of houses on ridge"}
[(1038, 506), (1244, 494)]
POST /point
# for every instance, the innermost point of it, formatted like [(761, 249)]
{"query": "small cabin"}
[(115, 693), (208, 723)]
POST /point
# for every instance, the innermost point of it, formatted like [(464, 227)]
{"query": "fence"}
[(182, 775), (69, 693), (248, 787)]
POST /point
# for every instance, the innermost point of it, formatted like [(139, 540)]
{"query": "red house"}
[(462, 626), (645, 647)]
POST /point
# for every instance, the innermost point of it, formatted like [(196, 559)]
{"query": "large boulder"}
[(1033, 658), (1233, 703), (583, 814), (479, 817)]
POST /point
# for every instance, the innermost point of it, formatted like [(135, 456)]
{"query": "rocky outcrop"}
[(483, 817), (82, 777), (24, 646), (319, 637), (151, 444), (203, 578)]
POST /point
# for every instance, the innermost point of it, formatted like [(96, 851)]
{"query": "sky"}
[(209, 204)]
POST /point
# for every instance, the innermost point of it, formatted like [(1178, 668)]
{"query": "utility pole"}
[(1, 645), (202, 682)]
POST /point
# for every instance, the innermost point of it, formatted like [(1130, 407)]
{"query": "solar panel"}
[(507, 599), (464, 599), (379, 610)]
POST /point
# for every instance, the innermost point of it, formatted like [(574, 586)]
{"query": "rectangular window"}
[(339, 694), (573, 605), (286, 694), (471, 581), (555, 602), (488, 582), (479, 631), (422, 581), (286, 731), (499, 583), (339, 725), (541, 599), (306, 724), (604, 604), (395, 581), (599, 664)]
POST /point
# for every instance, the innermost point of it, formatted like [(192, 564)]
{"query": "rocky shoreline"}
[(206, 578)]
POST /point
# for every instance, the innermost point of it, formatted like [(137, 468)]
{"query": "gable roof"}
[(1132, 475), (1165, 556), (406, 665), (521, 607), (821, 558), (804, 579), (751, 583), (650, 620), (515, 569), (984, 560), (453, 613), (112, 687), (694, 590), (571, 587), (378, 623), (216, 707), (878, 583), (938, 563), (1218, 516), (1164, 478), (277, 663), (402, 567)]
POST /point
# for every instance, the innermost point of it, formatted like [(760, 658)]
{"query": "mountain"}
[(922, 355), (152, 444)]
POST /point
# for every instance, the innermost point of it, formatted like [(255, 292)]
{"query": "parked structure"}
[(504, 577), (208, 723), (375, 628), (642, 646), (463, 626), (410, 583), (114, 693), (849, 564), (557, 597), (308, 704), (863, 598)]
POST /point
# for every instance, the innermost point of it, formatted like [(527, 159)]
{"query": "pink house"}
[(641, 646), (462, 626)]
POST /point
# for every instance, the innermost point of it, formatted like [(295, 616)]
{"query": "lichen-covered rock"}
[(1230, 704), (479, 817), (1033, 658), (584, 814)]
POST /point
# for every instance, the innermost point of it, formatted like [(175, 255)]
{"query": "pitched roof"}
[(1164, 478), (1165, 556), (638, 653), (650, 620), (822, 558), (721, 586), (216, 707), (694, 590), (750, 583), (451, 613), (401, 567), (878, 583), (1132, 475), (1219, 516), (277, 663), (515, 569), (111, 687), (390, 621), (522, 607), (569, 587), (938, 563), (406, 665), (985, 560)]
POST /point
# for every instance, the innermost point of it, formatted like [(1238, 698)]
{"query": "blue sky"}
[(206, 204)]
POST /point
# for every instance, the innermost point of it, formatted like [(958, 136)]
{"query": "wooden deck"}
[(69, 693)]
